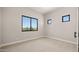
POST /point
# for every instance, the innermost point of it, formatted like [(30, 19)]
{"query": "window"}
[(66, 18), (49, 21), (29, 24)]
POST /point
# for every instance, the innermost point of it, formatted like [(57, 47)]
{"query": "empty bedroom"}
[(39, 29)]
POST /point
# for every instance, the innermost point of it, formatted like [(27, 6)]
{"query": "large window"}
[(29, 24)]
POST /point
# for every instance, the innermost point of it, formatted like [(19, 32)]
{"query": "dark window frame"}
[(30, 23), (65, 16), (49, 21)]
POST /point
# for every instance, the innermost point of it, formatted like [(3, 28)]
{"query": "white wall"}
[(12, 24), (0, 25), (61, 30)]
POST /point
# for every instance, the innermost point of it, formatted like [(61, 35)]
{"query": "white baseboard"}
[(62, 40), (20, 41)]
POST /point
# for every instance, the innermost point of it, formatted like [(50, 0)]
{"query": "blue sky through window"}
[(34, 23), (66, 18), (26, 22), (29, 23)]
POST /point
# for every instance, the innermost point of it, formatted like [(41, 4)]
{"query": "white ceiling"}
[(43, 10)]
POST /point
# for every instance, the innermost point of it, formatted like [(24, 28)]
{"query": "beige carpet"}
[(42, 45)]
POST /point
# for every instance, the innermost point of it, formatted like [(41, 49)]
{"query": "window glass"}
[(34, 24), (26, 24)]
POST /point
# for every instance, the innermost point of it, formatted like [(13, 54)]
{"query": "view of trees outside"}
[(29, 24)]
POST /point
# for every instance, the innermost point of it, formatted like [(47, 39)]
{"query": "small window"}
[(66, 18), (49, 21), (29, 24)]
